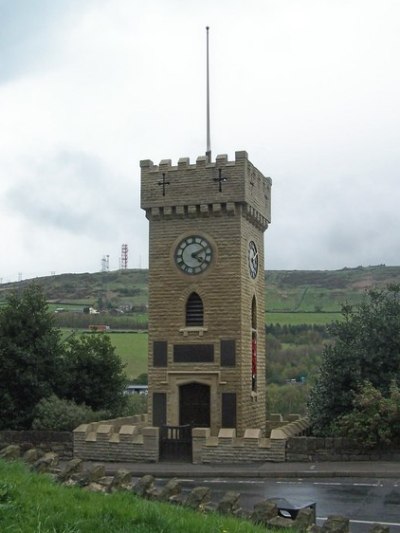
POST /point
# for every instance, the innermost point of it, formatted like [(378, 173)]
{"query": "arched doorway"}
[(194, 405)]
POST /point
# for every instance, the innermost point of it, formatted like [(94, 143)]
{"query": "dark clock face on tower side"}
[(253, 259), (193, 254)]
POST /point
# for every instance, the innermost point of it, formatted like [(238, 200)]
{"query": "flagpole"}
[(208, 152)]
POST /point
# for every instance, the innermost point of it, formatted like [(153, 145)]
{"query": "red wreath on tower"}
[(254, 357)]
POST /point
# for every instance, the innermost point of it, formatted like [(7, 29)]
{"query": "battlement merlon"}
[(205, 183)]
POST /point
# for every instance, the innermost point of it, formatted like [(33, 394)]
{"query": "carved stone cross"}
[(163, 182), (220, 179)]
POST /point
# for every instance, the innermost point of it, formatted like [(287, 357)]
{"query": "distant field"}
[(70, 306), (131, 347), (309, 299), (301, 318)]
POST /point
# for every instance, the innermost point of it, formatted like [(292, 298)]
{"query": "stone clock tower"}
[(206, 292)]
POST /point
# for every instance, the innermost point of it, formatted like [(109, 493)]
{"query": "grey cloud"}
[(72, 191), (29, 33)]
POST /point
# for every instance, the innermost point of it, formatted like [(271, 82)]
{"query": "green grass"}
[(32, 503), (301, 318), (132, 348), (70, 306)]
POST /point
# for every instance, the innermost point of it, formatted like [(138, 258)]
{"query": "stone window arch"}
[(194, 310)]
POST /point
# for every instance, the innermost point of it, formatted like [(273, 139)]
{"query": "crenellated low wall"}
[(226, 448), (129, 439), (122, 439)]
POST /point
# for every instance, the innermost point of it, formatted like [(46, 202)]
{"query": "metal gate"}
[(176, 443)]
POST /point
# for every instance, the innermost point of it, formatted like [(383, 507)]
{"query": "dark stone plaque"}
[(193, 353)]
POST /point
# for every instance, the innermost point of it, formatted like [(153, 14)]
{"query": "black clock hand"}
[(195, 255)]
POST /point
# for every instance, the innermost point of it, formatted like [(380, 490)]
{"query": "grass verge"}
[(32, 503)]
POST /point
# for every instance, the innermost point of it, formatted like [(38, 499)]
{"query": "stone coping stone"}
[(252, 433), (227, 433)]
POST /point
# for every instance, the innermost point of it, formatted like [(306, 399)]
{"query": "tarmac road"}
[(364, 501), (366, 492)]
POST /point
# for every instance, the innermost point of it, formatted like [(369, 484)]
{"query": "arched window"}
[(194, 310)]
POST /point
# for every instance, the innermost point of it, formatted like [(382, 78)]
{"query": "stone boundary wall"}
[(59, 442), (129, 439), (226, 448), (251, 448), (318, 449), (276, 420), (122, 439)]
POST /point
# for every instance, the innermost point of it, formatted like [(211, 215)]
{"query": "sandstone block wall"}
[(310, 449), (121, 440), (59, 442), (112, 442), (227, 448)]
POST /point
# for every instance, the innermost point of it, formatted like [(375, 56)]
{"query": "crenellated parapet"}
[(253, 447), (206, 189), (124, 439), (130, 439), (227, 448)]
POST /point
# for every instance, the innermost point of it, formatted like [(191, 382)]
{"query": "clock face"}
[(193, 254), (253, 259)]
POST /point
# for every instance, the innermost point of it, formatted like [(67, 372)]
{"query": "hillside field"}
[(288, 291), (294, 297)]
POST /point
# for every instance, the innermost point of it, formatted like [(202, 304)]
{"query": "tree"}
[(30, 353), (95, 373), (366, 348), (35, 364)]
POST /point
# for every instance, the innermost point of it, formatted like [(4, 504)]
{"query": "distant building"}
[(136, 389), (99, 327)]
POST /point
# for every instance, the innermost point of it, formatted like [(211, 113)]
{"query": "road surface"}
[(364, 501)]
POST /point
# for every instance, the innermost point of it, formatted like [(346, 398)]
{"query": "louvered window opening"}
[(194, 310)]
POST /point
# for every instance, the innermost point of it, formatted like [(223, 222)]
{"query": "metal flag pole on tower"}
[(208, 152)]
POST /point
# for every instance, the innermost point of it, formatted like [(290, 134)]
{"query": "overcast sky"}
[(88, 88)]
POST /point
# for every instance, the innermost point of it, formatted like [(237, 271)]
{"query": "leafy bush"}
[(375, 419), (56, 414), (142, 379), (136, 404)]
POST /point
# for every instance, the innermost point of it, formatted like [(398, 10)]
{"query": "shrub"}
[(375, 419), (136, 404), (56, 414)]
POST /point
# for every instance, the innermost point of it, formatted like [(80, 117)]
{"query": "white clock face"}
[(193, 254), (253, 259)]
